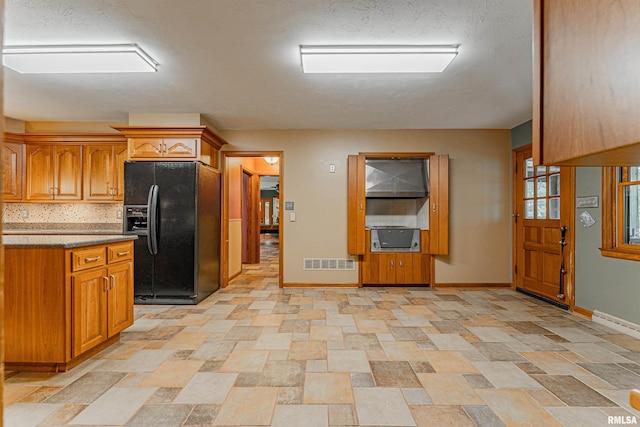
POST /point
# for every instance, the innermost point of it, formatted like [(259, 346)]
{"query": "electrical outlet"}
[(332, 168), (119, 214), (25, 213)]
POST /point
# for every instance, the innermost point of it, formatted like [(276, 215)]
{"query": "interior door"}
[(543, 203), (250, 218)]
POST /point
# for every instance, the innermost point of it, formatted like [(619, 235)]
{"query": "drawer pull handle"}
[(106, 283), (92, 259), (112, 282), (123, 253)]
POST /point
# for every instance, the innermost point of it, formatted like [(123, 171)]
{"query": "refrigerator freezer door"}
[(143, 266), (138, 178)]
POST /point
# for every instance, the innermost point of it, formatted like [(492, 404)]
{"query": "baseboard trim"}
[(233, 276), (615, 323), (472, 285), (320, 285), (583, 312)]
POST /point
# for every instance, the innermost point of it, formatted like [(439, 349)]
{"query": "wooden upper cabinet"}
[(12, 159), (54, 172), (74, 167), (439, 204), (165, 149), (152, 143), (104, 172), (586, 83)]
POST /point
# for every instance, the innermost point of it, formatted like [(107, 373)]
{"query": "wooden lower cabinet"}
[(64, 305), (395, 268)]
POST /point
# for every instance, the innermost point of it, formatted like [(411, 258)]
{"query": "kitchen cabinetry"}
[(102, 300), (401, 268), (12, 170), (69, 303), (152, 143), (70, 167), (54, 172), (103, 172), (585, 82)]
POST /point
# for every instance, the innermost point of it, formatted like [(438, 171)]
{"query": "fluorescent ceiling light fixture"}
[(116, 58), (377, 59)]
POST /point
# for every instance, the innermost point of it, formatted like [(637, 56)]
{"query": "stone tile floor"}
[(254, 355)]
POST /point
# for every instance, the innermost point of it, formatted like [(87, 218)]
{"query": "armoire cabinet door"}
[(356, 206), (439, 204)]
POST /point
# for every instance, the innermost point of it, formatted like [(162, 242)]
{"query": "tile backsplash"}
[(61, 213)]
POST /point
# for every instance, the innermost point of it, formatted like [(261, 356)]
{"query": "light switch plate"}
[(292, 216)]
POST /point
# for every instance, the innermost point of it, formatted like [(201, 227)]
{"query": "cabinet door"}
[(67, 172), (439, 204), (145, 148), (180, 148), (356, 205), (12, 171), (412, 268), (120, 155), (585, 103), (89, 322), (387, 269), (98, 172), (120, 301), (39, 172)]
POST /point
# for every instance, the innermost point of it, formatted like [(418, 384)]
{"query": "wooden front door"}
[(543, 206)]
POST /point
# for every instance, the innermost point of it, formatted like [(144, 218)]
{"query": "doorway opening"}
[(251, 229)]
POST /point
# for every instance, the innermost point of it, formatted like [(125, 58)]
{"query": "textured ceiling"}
[(237, 62)]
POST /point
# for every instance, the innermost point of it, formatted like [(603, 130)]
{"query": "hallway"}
[(253, 354)]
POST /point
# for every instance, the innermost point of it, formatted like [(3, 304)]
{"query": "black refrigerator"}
[(174, 209)]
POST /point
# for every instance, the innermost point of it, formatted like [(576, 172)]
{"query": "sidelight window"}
[(541, 191), (621, 212)]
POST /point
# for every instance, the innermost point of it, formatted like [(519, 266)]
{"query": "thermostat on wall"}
[(288, 206)]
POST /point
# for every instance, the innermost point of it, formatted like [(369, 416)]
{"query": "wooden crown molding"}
[(72, 138), (13, 137)]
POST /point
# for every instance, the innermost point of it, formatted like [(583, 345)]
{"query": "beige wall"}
[(480, 221)]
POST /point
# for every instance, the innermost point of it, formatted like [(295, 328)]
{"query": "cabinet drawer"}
[(83, 259), (120, 252)]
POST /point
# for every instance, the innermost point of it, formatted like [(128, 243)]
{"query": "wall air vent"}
[(329, 264)]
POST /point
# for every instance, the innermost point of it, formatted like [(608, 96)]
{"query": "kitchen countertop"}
[(62, 240)]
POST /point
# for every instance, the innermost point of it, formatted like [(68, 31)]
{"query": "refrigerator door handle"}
[(152, 206), (154, 219)]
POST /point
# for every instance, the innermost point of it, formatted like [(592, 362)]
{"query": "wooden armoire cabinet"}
[(398, 268)]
